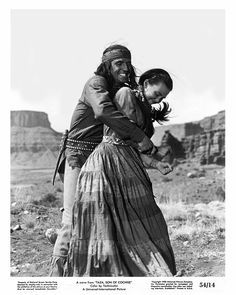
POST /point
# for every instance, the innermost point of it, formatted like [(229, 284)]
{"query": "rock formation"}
[(33, 142), (203, 141), (29, 119), (207, 147)]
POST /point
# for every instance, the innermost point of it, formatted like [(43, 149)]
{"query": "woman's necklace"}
[(151, 110), (144, 100)]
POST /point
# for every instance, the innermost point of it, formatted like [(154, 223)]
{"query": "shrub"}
[(166, 179), (49, 198), (30, 224), (58, 189)]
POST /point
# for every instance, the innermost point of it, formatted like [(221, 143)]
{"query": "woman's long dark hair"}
[(154, 76), (104, 70)]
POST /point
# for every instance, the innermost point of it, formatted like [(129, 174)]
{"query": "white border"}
[(225, 285)]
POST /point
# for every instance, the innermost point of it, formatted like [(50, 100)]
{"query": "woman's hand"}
[(164, 167), (163, 152)]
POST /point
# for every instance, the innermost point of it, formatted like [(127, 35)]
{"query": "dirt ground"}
[(199, 250)]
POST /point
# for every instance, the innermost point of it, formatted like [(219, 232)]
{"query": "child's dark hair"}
[(162, 114), (154, 76)]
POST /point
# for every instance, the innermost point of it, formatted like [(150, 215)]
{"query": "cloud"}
[(50, 104), (18, 103), (194, 106)]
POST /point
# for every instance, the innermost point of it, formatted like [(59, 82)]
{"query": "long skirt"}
[(117, 230)]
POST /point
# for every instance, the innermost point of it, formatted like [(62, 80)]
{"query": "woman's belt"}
[(114, 140), (72, 144)]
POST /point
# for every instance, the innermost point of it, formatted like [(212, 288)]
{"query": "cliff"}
[(33, 142), (190, 128), (203, 140), (29, 119)]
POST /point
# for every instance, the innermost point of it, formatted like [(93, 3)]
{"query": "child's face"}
[(155, 93)]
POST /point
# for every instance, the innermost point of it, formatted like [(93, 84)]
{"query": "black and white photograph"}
[(117, 150)]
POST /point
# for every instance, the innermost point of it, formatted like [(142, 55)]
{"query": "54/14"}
[(206, 285)]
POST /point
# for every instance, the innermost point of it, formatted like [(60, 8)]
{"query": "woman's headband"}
[(116, 53)]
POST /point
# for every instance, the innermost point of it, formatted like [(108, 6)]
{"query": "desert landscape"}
[(192, 197)]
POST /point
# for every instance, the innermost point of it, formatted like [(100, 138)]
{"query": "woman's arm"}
[(150, 162)]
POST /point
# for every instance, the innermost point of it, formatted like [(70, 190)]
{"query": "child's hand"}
[(164, 167)]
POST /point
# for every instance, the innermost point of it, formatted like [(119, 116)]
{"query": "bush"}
[(58, 189), (30, 224), (49, 198), (166, 179)]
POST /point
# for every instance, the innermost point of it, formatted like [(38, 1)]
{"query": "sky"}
[(54, 52)]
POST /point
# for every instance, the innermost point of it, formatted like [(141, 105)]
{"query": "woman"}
[(118, 230)]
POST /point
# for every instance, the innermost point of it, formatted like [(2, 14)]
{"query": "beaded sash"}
[(114, 140)]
